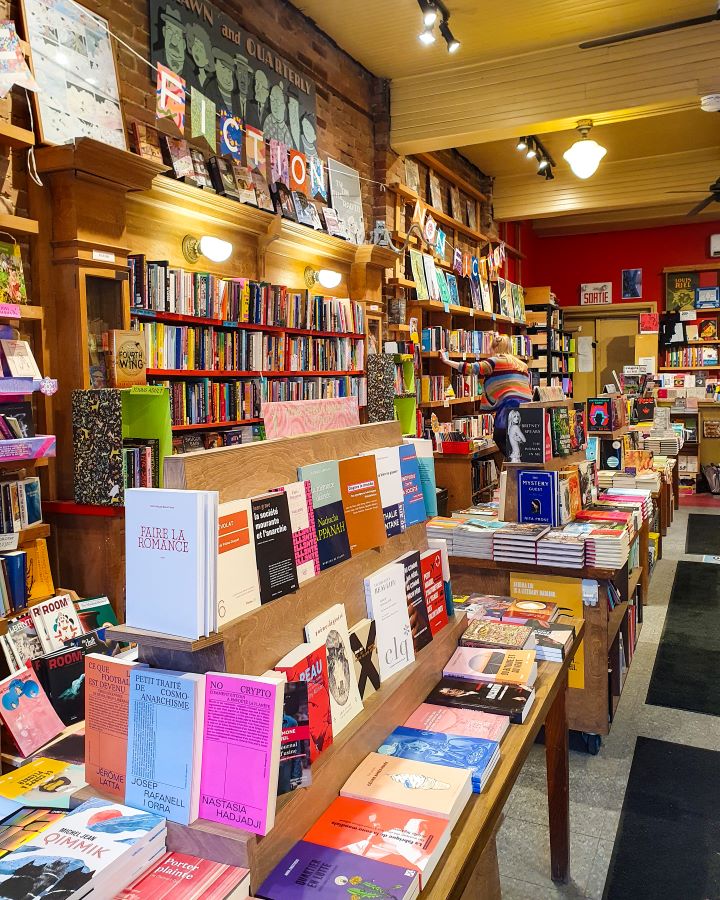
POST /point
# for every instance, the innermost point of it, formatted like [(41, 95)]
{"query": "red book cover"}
[(26, 712), (434, 589), (313, 669), (181, 876)]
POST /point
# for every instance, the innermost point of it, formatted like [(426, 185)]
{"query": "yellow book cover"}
[(39, 577), (425, 389), (245, 302), (126, 363)]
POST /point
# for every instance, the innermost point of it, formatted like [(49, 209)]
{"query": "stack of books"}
[(562, 549), (475, 538), (552, 641), (185, 877), (632, 495), (517, 542), (663, 441), (606, 545), (445, 529)]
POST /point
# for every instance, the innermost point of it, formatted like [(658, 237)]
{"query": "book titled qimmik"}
[(241, 750)]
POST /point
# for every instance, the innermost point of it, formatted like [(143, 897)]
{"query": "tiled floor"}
[(597, 783)]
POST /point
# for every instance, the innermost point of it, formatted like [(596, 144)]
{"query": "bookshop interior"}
[(359, 450)]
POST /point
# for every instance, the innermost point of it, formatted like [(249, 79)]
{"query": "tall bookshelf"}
[(553, 346)]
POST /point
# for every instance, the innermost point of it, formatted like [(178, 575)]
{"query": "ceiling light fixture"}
[(521, 144), (427, 37), (542, 164), (429, 12), (548, 173), (585, 155), (212, 248), (452, 44), (327, 278), (531, 150)]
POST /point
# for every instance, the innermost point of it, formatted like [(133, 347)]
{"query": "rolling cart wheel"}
[(592, 743)]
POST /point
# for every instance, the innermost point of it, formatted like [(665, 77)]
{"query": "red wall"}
[(567, 262)]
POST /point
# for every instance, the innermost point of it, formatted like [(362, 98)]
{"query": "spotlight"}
[(429, 14), (521, 144), (549, 175), (452, 44), (426, 37), (531, 150), (542, 164)]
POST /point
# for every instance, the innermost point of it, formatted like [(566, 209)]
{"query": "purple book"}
[(310, 871)]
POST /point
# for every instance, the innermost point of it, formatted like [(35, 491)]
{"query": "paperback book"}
[(497, 699), (300, 506), (387, 605), (180, 876), (274, 550), (417, 609), (363, 643), (413, 499), (464, 722), (361, 501), (433, 587), (330, 528), (309, 664), (238, 588), (498, 666), (44, 783), (392, 498), (294, 771), (26, 712)]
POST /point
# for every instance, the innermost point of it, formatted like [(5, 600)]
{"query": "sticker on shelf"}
[(154, 389), (103, 256), (10, 310), (9, 542)]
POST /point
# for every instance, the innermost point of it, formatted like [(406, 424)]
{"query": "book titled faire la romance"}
[(330, 528), (361, 501), (242, 733)]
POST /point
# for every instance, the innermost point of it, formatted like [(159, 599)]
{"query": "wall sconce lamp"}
[(212, 248), (327, 278)]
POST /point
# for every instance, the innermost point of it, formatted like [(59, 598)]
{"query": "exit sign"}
[(596, 293)]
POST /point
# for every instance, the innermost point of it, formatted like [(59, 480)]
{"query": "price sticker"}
[(446, 403)]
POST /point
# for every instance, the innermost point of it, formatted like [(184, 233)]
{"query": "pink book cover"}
[(27, 713), (241, 750), (433, 587), (184, 877), (463, 722), (293, 417), (302, 520)]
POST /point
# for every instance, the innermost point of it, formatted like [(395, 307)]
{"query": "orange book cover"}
[(360, 491), (380, 832), (107, 687)]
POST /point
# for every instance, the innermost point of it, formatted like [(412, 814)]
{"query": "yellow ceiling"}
[(382, 34)]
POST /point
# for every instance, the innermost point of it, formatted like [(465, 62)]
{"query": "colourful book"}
[(26, 712), (165, 715), (380, 832), (180, 876), (95, 612), (464, 722), (478, 755), (497, 699), (413, 498), (363, 643), (330, 628), (497, 666), (310, 870), (238, 588), (309, 664), (361, 501), (392, 497), (107, 690), (43, 782), (426, 466), (433, 586), (294, 771), (62, 675), (274, 551), (497, 635), (25, 825), (417, 609), (242, 733), (423, 788), (387, 606), (538, 500), (330, 528), (56, 622), (300, 505)]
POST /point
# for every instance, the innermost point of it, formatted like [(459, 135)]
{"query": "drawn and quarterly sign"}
[(596, 293)]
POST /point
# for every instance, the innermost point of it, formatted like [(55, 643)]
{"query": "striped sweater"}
[(506, 384)]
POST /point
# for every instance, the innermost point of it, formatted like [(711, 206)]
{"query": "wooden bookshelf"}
[(18, 224), (16, 137)]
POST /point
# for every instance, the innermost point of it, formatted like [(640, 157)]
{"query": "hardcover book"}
[(387, 461), (538, 497), (56, 621), (599, 414), (300, 506), (497, 699), (238, 588), (412, 488), (363, 643), (107, 691), (417, 608), (361, 501), (433, 587), (26, 712), (244, 183), (294, 771), (383, 833), (330, 628), (23, 638), (146, 141), (126, 360), (424, 788), (14, 563), (465, 722), (478, 755), (44, 783), (262, 192), (176, 154), (310, 665), (310, 870), (242, 733), (223, 178), (164, 743), (497, 635), (274, 551), (499, 666), (19, 359), (388, 607), (560, 428), (528, 436), (330, 528)]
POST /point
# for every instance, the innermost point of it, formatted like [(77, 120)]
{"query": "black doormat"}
[(685, 675), (669, 833), (703, 535)]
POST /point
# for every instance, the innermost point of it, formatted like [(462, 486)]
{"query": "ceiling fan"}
[(713, 197), (655, 29)]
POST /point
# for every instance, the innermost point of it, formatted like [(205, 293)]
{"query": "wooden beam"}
[(549, 90)]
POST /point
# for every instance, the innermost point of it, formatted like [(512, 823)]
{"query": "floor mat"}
[(685, 675), (669, 833), (703, 535)]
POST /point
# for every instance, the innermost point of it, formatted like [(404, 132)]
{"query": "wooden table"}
[(468, 868)]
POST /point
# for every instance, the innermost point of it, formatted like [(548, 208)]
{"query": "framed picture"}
[(711, 428), (74, 64), (631, 284), (374, 334), (707, 297)]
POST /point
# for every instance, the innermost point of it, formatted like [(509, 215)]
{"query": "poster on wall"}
[(631, 284), (236, 70), (680, 290), (596, 293), (346, 199), (74, 66)]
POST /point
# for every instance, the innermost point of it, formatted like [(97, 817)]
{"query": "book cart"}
[(254, 643), (590, 709)]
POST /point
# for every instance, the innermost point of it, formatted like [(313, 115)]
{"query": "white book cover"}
[(330, 628), (238, 590), (58, 622), (165, 560), (387, 605), (392, 496), (212, 526), (20, 359)]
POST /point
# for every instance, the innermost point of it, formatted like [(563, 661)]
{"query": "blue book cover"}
[(426, 339), (456, 751), (538, 497), (33, 509), (311, 870), (330, 528), (15, 563), (426, 465), (165, 727), (412, 488)]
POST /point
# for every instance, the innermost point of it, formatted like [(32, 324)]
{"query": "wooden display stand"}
[(451, 473)]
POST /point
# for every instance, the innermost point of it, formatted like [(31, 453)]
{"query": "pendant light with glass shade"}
[(585, 155)]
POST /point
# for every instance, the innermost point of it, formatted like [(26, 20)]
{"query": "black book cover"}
[(526, 435), (580, 426), (274, 547), (62, 674), (96, 642), (560, 429), (599, 415), (22, 411), (497, 699), (611, 454), (294, 770), (223, 179), (644, 409), (419, 620), (366, 656)]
